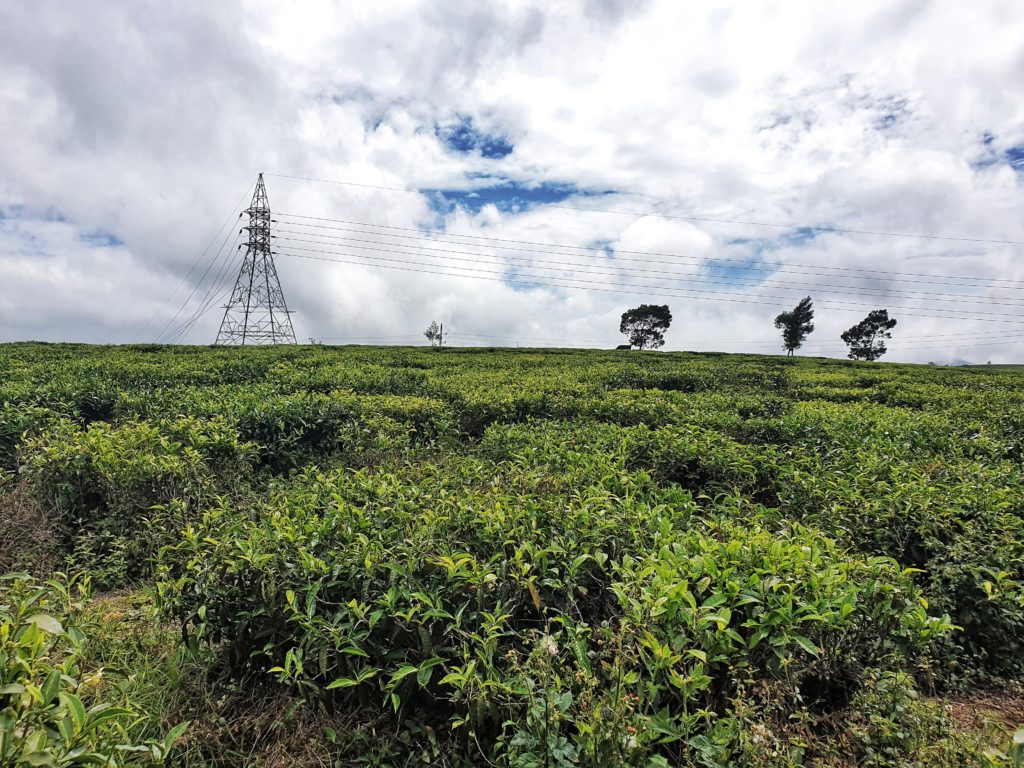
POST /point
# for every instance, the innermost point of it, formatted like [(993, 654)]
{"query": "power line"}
[(682, 293), (690, 345), (899, 344), (195, 287), (609, 270), (743, 263), (707, 219), (899, 348), (212, 294), (183, 331), (833, 304), (199, 259), (222, 280), (966, 338)]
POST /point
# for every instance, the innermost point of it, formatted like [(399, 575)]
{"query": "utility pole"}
[(257, 313)]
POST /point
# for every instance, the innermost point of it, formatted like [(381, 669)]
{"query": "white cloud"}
[(147, 121)]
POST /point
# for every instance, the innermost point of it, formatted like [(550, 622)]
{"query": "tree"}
[(645, 325), (435, 333), (867, 338), (796, 325)]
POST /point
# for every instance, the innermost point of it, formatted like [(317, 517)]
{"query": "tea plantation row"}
[(515, 558)]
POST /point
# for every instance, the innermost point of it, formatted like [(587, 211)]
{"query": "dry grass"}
[(988, 711), (255, 725), (27, 538)]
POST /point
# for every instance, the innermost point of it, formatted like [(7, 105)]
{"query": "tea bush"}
[(104, 483), (15, 423), (428, 590), (547, 556), (957, 520)]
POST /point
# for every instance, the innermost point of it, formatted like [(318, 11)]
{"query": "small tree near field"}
[(435, 334), (645, 325), (867, 338), (796, 325)]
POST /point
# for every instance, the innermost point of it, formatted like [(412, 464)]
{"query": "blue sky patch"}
[(507, 196), (799, 236), (465, 138), (887, 120), (605, 246), (101, 239), (754, 269), (1015, 157), (890, 112), (990, 155), (519, 283)]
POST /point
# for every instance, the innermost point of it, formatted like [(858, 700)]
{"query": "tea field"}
[(400, 556)]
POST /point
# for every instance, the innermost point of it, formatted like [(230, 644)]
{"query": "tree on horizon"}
[(435, 333), (645, 325), (796, 324), (867, 338)]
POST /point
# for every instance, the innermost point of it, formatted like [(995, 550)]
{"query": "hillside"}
[(399, 556)]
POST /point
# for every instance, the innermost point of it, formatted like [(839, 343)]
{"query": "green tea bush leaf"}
[(104, 482)]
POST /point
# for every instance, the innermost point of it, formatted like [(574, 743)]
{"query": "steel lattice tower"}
[(256, 312)]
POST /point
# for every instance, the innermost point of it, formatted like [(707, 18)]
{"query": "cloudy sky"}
[(523, 172)]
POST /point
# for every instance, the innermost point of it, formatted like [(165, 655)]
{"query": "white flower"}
[(548, 644)]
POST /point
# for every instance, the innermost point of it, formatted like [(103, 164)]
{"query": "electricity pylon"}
[(256, 312)]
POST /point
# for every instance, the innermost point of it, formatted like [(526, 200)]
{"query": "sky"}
[(521, 172)]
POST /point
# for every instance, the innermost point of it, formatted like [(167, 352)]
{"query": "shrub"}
[(462, 592), (15, 422), (103, 483), (479, 549), (957, 522)]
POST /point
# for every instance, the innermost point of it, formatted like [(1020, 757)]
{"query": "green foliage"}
[(867, 338), (890, 726), (796, 325), (106, 483), (645, 325), (883, 486), (15, 422), (544, 557), (423, 590), (51, 712)]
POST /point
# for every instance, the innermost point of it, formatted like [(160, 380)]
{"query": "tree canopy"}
[(796, 324), (645, 325), (867, 338), (435, 334)]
